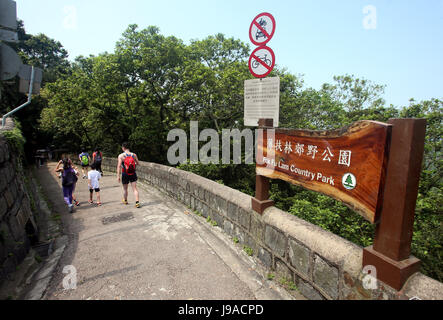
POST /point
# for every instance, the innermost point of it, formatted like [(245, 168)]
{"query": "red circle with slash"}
[(260, 30), (261, 61)]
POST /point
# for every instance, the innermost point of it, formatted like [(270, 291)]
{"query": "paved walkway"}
[(158, 251)]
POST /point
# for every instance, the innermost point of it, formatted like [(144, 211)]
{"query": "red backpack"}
[(129, 164)]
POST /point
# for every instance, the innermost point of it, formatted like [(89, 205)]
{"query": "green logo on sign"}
[(349, 181)]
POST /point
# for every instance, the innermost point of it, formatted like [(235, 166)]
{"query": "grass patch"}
[(248, 250), (288, 284), (197, 213), (212, 222), (38, 258)]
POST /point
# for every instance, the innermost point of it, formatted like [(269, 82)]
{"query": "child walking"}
[(69, 179), (93, 184)]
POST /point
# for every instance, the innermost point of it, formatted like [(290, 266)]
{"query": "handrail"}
[(31, 84)]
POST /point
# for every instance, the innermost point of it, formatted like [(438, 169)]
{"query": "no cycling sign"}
[(261, 31), (261, 62)]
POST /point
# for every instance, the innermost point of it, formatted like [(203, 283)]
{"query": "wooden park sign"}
[(372, 167), (347, 164)]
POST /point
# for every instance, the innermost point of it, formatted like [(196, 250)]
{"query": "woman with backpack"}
[(69, 178), (97, 160)]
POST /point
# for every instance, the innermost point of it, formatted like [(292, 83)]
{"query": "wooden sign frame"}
[(396, 194), (348, 165)]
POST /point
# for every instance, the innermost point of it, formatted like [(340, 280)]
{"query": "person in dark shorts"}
[(127, 164), (93, 184)]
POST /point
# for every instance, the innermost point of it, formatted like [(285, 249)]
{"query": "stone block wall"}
[(322, 265), (16, 216)]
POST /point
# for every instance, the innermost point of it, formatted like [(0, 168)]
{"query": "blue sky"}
[(317, 38)]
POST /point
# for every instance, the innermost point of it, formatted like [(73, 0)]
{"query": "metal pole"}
[(31, 84)]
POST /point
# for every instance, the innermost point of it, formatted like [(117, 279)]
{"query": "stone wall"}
[(322, 265), (17, 223)]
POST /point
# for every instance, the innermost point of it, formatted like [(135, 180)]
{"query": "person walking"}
[(69, 179), (97, 157), (74, 198), (127, 164), (93, 184), (84, 160)]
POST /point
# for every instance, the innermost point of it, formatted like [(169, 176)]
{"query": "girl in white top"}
[(93, 184)]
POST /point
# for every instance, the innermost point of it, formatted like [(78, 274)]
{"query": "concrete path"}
[(158, 251)]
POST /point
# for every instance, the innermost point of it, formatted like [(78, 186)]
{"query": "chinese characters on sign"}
[(299, 149)]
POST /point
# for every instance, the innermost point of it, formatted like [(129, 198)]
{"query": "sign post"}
[(391, 251), (372, 167), (261, 200), (262, 96)]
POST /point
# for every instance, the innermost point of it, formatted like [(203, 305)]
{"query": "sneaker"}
[(137, 204), (71, 208), (90, 201), (125, 201)]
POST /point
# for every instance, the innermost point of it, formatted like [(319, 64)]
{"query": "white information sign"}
[(262, 100)]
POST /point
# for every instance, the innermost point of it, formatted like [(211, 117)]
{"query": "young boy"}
[(93, 177)]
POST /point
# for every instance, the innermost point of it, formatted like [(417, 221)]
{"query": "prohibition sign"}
[(262, 29), (261, 62)]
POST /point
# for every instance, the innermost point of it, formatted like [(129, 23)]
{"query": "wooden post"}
[(261, 201), (390, 253)]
